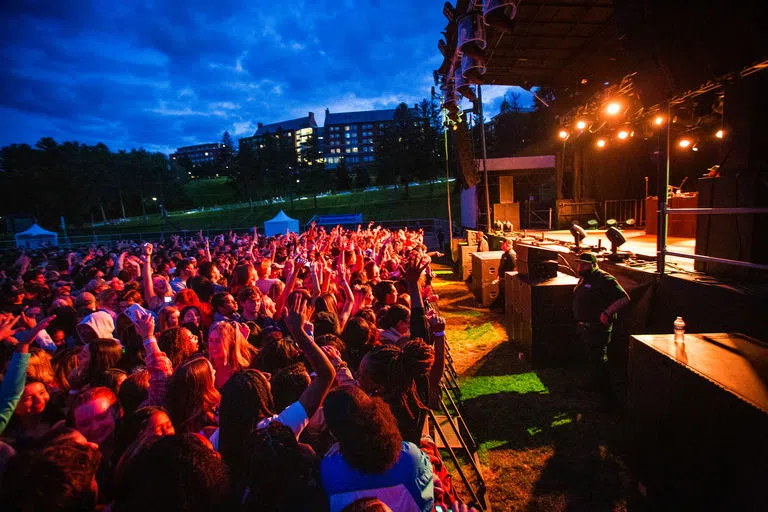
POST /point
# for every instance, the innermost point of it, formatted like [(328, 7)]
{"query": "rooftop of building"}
[(199, 147), (365, 116), (292, 125)]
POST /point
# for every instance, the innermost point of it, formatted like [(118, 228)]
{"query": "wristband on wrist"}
[(440, 333), (148, 339)]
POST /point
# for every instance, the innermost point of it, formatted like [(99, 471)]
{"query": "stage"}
[(707, 303), (638, 243)]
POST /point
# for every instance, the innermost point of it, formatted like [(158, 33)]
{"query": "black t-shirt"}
[(596, 291), (508, 263)]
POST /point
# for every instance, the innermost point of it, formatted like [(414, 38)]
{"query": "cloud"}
[(157, 75)]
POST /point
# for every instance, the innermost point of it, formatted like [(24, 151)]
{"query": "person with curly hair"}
[(392, 373), (178, 343), (371, 459)]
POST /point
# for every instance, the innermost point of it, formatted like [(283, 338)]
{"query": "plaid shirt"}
[(159, 368)]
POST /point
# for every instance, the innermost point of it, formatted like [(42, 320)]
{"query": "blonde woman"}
[(229, 350)]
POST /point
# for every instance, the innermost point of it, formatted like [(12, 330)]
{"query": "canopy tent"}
[(279, 224), (36, 237)]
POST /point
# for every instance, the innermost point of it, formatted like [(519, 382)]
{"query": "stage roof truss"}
[(552, 44)]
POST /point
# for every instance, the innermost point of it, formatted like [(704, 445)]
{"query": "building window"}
[(354, 149), (346, 128)]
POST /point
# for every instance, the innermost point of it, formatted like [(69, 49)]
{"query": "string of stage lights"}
[(619, 119), (625, 131)]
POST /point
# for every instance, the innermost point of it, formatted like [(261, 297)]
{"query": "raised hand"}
[(30, 323), (145, 324), (413, 269), (7, 322), (296, 315), (333, 354), (436, 323)]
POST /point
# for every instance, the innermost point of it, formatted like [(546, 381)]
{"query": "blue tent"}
[(36, 237), (279, 224)]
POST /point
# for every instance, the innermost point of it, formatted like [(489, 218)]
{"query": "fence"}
[(625, 209), (431, 228), (599, 213)]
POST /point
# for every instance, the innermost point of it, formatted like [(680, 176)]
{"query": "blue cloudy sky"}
[(161, 74)]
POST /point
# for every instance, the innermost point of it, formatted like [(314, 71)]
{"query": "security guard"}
[(596, 300), (507, 264)]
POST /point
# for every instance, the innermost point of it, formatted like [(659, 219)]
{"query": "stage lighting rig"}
[(578, 235), (617, 239)]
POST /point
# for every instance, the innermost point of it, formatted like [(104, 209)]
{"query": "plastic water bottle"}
[(679, 330)]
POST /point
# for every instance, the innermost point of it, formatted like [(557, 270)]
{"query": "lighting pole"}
[(485, 158), (448, 185), (663, 186)]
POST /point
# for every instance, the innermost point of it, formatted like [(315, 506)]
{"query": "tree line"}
[(85, 183)]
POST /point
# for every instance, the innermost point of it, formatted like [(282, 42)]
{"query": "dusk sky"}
[(162, 74)]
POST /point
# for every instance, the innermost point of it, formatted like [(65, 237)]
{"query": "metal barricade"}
[(624, 209)]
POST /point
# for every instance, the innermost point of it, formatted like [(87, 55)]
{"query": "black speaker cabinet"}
[(539, 318), (742, 237)]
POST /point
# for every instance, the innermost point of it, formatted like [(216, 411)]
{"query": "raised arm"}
[(295, 319), (146, 274), (412, 272), (158, 364), (290, 271), (208, 249), (16, 374), (349, 297), (316, 271), (437, 331)]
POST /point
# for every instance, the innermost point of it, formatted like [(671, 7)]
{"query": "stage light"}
[(578, 235), (658, 121), (684, 143), (613, 108), (616, 238), (581, 125), (563, 134), (600, 143), (623, 134), (719, 134), (695, 148)]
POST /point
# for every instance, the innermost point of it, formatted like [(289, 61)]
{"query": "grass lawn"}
[(210, 192), (543, 443), (423, 201)]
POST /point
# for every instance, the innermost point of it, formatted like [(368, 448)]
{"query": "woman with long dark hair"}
[(191, 397)]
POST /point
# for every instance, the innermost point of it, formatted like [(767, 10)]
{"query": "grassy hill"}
[(422, 201)]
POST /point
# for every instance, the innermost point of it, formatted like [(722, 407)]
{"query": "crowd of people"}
[(237, 373)]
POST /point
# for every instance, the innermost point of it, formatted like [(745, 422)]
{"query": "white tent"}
[(278, 225), (36, 237)]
